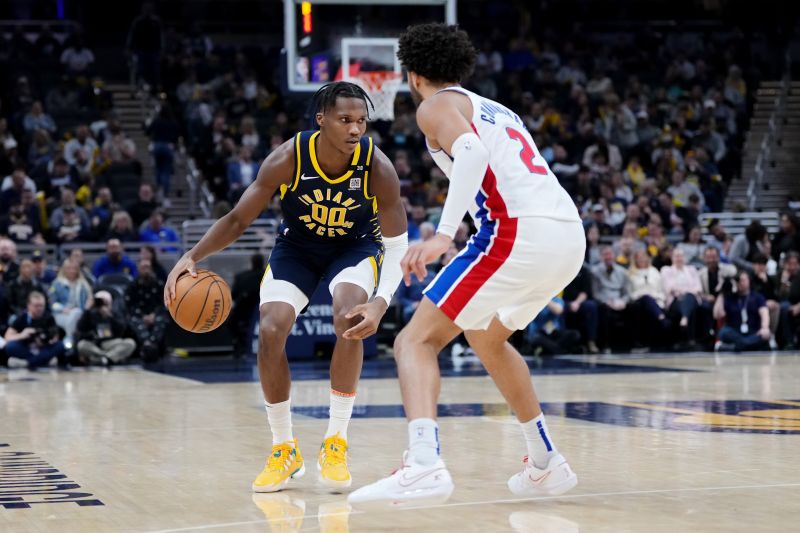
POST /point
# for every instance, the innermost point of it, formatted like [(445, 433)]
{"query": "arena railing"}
[(771, 137)]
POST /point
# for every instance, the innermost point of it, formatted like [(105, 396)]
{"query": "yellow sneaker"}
[(284, 514), (332, 463), (283, 463)]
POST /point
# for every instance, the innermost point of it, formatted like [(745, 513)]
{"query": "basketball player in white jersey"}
[(529, 246)]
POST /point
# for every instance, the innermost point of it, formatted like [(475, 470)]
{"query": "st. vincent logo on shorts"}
[(738, 416)]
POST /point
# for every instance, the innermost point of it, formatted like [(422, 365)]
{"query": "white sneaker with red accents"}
[(410, 485), (556, 479)]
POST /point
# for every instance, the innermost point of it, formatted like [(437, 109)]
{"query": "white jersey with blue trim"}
[(518, 181)]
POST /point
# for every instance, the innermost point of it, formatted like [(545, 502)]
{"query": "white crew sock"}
[(423, 441), (280, 420), (537, 438), (340, 412)]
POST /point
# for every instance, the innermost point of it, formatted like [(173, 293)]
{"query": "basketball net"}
[(382, 87)]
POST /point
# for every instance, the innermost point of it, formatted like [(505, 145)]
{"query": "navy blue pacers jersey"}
[(329, 223), (329, 209)]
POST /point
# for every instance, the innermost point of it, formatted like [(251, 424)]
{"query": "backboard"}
[(326, 40)]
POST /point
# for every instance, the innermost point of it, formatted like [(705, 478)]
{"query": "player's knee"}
[(271, 333), (341, 323)]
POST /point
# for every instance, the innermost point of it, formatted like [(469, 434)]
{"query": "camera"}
[(43, 335), (728, 287)]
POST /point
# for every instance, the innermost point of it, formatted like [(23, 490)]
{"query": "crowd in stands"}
[(644, 130)]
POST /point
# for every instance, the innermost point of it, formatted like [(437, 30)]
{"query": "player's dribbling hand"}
[(184, 264), (371, 314), (419, 255)]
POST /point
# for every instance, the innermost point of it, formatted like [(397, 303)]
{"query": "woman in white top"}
[(683, 290), (71, 294), (647, 293)]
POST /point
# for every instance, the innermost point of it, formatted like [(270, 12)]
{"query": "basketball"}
[(201, 304)]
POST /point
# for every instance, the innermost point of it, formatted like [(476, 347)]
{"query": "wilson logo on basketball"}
[(212, 318)]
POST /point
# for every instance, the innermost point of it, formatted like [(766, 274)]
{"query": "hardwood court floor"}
[(660, 444)]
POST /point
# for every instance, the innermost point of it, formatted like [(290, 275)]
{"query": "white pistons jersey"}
[(518, 182)]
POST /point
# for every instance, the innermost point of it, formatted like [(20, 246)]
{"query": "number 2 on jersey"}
[(527, 153)]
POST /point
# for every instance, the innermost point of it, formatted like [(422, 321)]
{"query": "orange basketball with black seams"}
[(201, 304)]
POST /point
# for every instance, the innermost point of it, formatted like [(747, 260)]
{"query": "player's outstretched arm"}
[(442, 118), (277, 169), (385, 186)]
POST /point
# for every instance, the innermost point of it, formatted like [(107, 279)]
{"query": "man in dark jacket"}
[(101, 332), (580, 310)]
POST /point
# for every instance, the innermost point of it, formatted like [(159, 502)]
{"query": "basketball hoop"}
[(382, 87)]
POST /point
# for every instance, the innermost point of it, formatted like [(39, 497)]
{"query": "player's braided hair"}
[(440, 53), (325, 97)]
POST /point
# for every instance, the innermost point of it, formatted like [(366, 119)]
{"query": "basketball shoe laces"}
[(280, 457), (334, 451)]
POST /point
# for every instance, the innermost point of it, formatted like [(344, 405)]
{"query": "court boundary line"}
[(489, 502)]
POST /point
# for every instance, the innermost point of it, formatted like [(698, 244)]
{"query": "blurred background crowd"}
[(642, 124)]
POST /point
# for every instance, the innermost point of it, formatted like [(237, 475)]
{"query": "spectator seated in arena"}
[(144, 300), (746, 245), (547, 334), (42, 149), (118, 148), (157, 232), (789, 296), (693, 247), (80, 151), (42, 272), (71, 295), (101, 333), (746, 317), (13, 186), (20, 226), (150, 254), (77, 58), (121, 228), (648, 300), (37, 119), (76, 255), (245, 294), (580, 310), (69, 222), (9, 268), (241, 173), (32, 339), (788, 237), (144, 205), (22, 286), (610, 290), (767, 286), (101, 212), (114, 262), (60, 175), (683, 294)]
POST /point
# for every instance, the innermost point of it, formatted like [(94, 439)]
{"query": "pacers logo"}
[(740, 416), (328, 216)]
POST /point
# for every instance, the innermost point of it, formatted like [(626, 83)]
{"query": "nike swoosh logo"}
[(304, 177), (411, 480), (538, 479)]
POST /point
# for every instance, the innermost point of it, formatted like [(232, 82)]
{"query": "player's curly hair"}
[(325, 98), (438, 52)]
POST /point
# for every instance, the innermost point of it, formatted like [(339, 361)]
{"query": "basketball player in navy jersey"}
[(343, 225), (528, 247)]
